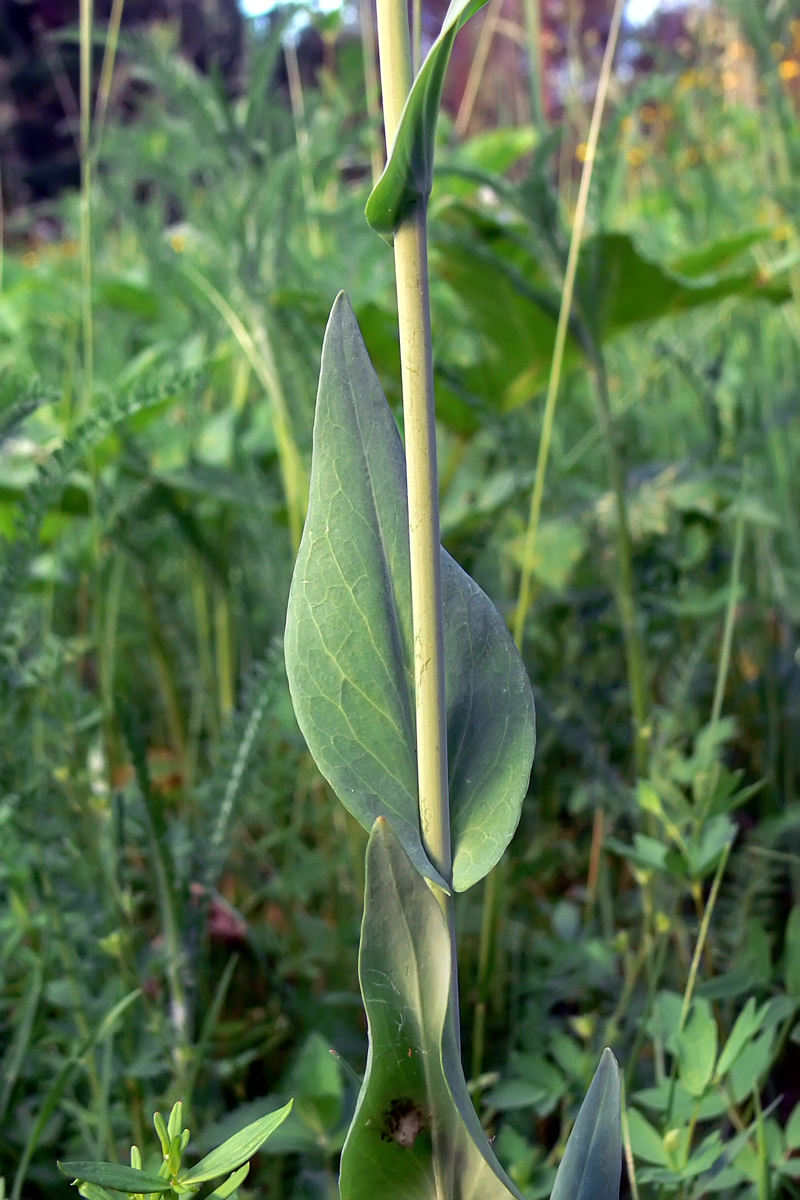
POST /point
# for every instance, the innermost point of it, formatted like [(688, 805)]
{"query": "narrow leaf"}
[(408, 176), (115, 1176), (348, 644), (592, 1162), (93, 1191), (237, 1150), (12, 1060), (415, 1134), (230, 1185)]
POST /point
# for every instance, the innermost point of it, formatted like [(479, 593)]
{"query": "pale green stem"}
[(524, 599), (411, 261), (416, 357)]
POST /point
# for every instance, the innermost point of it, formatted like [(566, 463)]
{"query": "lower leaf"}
[(592, 1162), (415, 1134)]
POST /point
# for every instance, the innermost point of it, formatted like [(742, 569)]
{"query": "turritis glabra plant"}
[(416, 706)]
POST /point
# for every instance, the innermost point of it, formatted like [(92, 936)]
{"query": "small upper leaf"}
[(237, 1150), (408, 176), (115, 1176), (348, 643)]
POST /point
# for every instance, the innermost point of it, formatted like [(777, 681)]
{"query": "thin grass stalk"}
[(222, 642), (488, 30), (524, 596), (86, 37), (416, 357), (369, 50), (490, 910), (536, 73), (416, 36), (639, 391), (204, 645), (206, 1033), (730, 612), (303, 151), (624, 584), (694, 966), (258, 349), (106, 75), (626, 1145)]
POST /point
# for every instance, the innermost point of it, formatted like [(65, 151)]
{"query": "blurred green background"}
[(183, 198)]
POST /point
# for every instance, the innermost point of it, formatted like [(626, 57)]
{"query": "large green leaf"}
[(415, 1134), (512, 303), (592, 1162), (348, 639), (408, 176), (619, 287)]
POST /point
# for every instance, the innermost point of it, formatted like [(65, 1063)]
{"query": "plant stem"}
[(411, 261), (416, 356), (86, 30)]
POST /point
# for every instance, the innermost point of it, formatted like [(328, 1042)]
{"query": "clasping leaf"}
[(348, 644)]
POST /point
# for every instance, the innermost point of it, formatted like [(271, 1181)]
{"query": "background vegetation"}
[(179, 891)]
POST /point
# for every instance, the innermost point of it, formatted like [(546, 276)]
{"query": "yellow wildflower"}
[(636, 156)]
